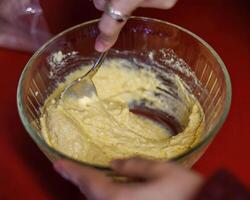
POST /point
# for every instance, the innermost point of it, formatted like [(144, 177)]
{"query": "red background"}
[(25, 173)]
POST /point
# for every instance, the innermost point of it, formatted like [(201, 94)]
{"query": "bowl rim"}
[(55, 153)]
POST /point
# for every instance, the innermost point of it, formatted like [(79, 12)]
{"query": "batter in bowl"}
[(99, 129)]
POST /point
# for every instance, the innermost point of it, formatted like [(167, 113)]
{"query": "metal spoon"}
[(83, 86)]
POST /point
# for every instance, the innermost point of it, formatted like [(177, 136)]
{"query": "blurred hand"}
[(110, 29), (158, 180)]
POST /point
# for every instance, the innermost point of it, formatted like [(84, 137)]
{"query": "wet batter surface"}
[(99, 129)]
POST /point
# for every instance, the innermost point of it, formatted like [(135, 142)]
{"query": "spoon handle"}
[(97, 65)]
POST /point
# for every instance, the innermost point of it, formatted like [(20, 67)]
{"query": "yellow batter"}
[(98, 129)]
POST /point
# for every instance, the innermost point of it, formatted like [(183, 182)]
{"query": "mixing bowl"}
[(143, 40)]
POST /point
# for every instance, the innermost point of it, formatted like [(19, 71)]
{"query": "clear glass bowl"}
[(139, 37)]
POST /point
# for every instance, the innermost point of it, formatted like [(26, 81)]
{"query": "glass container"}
[(140, 39)]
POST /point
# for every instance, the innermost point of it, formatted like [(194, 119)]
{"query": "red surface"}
[(25, 173)]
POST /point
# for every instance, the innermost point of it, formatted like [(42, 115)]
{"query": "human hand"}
[(158, 180), (109, 28)]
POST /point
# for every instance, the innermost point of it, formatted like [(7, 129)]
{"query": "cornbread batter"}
[(101, 128)]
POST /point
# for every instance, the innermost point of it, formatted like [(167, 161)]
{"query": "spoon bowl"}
[(83, 86)]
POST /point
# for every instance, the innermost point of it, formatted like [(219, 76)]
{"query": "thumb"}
[(138, 168)]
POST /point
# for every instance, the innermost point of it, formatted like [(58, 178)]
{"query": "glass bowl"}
[(140, 39)]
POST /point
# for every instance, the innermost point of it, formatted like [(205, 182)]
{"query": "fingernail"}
[(116, 163), (99, 46), (59, 168)]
